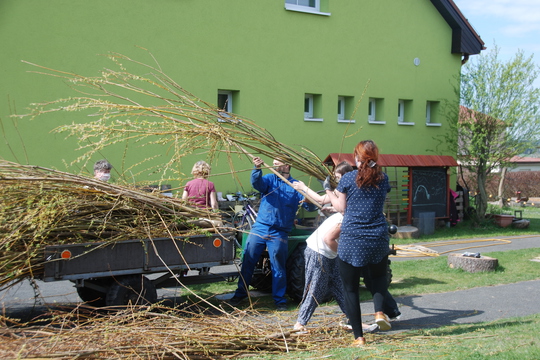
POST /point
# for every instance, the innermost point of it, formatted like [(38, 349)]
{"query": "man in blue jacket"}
[(277, 211)]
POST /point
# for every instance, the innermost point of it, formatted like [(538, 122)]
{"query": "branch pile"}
[(160, 334), (41, 207), (151, 108)]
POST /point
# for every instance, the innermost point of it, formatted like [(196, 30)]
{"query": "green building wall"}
[(269, 56)]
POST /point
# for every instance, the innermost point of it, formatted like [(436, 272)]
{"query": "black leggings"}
[(350, 276)]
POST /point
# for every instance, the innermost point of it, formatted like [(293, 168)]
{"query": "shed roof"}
[(525, 159), (391, 160)]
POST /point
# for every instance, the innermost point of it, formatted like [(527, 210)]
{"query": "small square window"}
[(432, 113), (375, 111), (372, 110), (341, 108), (401, 111), (309, 3), (312, 107), (404, 112), (345, 109), (225, 101), (307, 6), (308, 106)]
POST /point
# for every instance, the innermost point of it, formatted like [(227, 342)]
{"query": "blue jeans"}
[(263, 237)]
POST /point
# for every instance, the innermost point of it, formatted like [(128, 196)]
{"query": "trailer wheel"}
[(92, 296), (296, 273), (131, 290)]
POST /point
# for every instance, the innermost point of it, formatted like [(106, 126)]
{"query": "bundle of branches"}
[(153, 109), (41, 207), (161, 335)]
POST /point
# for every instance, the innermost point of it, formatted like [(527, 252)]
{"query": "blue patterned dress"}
[(364, 231)]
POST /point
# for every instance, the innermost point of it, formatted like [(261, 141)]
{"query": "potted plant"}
[(503, 220), (498, 215)]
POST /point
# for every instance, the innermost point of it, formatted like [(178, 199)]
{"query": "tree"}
[(498, 119)]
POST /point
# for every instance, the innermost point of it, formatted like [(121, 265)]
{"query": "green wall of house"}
[(269, 56)]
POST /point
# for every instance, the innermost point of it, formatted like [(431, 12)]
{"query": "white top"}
[(315, 241)]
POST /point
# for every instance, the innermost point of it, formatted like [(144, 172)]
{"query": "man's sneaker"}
[(367, 329), (370, 328), (235, 300), (382, 320), (282, 307)]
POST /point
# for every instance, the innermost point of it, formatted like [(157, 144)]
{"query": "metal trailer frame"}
[(87, 264)]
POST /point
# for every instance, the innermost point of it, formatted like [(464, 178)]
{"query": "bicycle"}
[(244, 219)]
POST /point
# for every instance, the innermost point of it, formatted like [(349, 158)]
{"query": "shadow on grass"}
[(461, 329), (429, 317), (413, 281)]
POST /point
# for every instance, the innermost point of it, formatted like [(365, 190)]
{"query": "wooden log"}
[(472, 264)]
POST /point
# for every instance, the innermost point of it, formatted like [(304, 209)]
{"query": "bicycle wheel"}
[(242, 224)]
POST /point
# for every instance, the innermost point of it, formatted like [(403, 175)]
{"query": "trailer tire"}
[(296, 273), (134, 290), (94, 297)]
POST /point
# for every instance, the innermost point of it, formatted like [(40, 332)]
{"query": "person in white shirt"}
[(322, 274)]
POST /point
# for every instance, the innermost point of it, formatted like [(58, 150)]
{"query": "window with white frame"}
[(404, 109), (312, 107), (225, 100), (432, 113), (308, 106), (401, 111), (309, 3), (309, 6), (344, 110), (375, 111), (341, 108), (372, 110)]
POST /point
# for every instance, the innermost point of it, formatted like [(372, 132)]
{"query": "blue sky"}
[(509, 24)]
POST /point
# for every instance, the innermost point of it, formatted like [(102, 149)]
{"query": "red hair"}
[(369, 172)]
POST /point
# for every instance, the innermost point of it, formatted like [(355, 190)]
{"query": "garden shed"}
[(420, 185)]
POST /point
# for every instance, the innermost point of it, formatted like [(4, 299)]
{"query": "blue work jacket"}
[(279, 201)]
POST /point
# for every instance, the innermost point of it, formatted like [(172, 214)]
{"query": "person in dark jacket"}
[(277, 211)]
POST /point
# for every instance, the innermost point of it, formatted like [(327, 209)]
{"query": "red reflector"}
[(217, 242), (66, 254)]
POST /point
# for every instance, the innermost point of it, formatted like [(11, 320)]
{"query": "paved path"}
[(465, 306)]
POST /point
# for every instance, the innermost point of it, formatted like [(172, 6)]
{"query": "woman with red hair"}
[(364, 243)]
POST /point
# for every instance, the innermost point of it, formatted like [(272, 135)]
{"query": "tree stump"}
[(472, 264), (407, 232)]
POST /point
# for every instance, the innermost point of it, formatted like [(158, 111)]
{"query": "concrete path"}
[(465, 306)]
